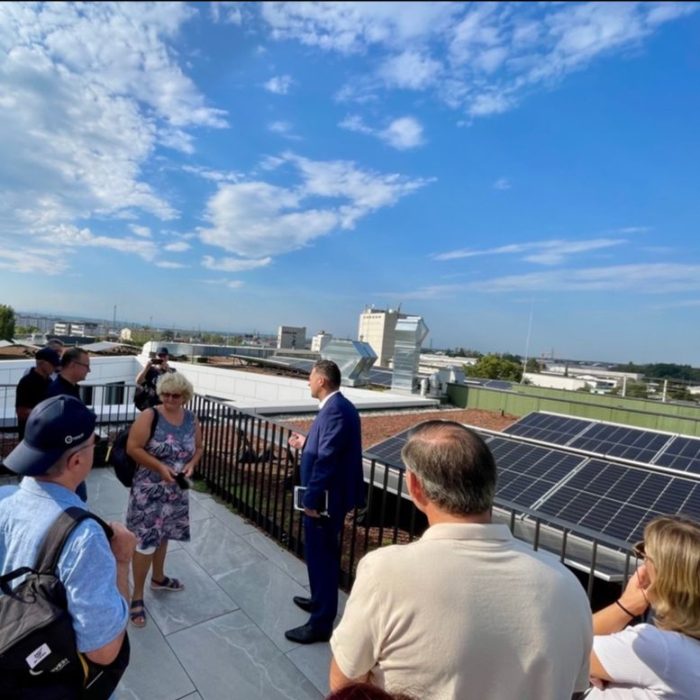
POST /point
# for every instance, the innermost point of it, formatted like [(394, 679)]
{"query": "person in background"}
[(56, 455), (158, 508), (147, 379), (467, 611), (32, 387), (659, 660), (331, 463), (75, 367)]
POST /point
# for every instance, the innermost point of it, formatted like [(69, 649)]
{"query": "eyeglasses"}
[(639, 551), (83, 364), (168, 395)]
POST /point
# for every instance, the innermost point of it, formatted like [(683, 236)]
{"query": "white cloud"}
[(254, 219), (541, 252), (211, 174), (650, 279), (234, 264), (48, 261), (481, 58), (142, 231), (170, 265), (402, 134), (410, 70), (89, 92), (503, 183), (232, 284), (639, 279), (177, 247), (283, 129), (227, 12), (279, 84)]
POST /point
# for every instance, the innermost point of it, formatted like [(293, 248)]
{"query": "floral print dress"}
[(158, 511)]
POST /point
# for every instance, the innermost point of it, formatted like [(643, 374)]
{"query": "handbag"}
[(124, 465)]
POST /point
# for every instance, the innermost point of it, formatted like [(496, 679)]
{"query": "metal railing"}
[(248, 463)]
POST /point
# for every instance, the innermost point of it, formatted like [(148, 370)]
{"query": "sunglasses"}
[(639, 551), (168, 395)]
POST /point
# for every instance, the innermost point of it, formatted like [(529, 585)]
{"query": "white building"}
[(291, 337), (125, 334), (320, 340), (378, 328)]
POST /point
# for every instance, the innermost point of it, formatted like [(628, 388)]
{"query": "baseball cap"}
[(55, 426), (163, 351), (48, 354)]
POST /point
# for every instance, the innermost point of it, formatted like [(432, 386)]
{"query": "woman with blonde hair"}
[(158, 502), (659, 660)]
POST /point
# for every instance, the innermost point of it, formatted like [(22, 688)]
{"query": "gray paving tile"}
[(229, 657), (232, 521), (218, 550), (155, 671), (280, 557), (201, 600), (105, 493), (314, 661), (197, 511), (194, 696), (265, 593)]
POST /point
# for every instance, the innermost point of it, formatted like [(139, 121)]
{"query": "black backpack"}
[(39, 658), (125, 466)]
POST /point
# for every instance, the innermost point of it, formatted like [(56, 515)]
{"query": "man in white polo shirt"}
[(467, 611)]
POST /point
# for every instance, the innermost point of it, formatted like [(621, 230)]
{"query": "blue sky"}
[(524, 176)]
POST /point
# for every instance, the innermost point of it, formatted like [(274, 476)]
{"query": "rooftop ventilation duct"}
[(409, 336)]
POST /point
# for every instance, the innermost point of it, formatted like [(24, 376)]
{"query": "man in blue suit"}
[(331, 461)]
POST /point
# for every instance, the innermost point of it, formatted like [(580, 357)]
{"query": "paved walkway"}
[(223, 637)]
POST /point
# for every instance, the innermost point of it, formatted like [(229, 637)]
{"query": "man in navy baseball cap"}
[(56, 455), (55, 426)]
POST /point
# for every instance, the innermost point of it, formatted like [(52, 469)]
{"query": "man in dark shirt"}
[(75, 366), (32, 387)]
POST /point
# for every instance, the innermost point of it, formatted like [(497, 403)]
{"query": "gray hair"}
[(454, 465), (175, 383)]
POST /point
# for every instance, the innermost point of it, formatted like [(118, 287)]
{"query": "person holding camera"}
[(146, 380)]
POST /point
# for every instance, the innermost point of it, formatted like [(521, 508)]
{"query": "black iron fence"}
[(248, 463)]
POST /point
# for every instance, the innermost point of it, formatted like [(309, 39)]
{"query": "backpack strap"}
[(59, 532)]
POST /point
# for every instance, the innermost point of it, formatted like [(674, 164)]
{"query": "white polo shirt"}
[(466, 612)]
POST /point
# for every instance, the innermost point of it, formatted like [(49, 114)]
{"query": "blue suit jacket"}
[(332, 459)]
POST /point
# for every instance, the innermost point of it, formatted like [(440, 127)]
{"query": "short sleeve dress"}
[(158, 511)]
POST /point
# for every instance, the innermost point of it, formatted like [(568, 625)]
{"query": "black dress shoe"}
[(303, 603), (306, 634)]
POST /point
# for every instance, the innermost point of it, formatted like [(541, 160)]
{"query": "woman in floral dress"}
[(158, 506)]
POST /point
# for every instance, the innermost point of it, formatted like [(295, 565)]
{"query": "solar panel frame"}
[(682, 453)]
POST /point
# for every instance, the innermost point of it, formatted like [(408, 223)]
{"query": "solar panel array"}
[(590, 489), (636, 444)]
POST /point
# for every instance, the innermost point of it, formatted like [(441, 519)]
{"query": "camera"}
[(156, 361)]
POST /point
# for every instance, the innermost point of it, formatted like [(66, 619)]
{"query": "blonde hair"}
[(672, 544), (175, 383)]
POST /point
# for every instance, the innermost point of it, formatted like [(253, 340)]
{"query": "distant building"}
[(320, 340), (291, 337), (78, 330), (378, 328), (125, 334)]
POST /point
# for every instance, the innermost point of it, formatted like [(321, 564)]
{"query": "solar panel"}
[(559, 430), (498, 384), (389, 450), (682, 453), (617, 500), (527, 472), (621, 441)]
